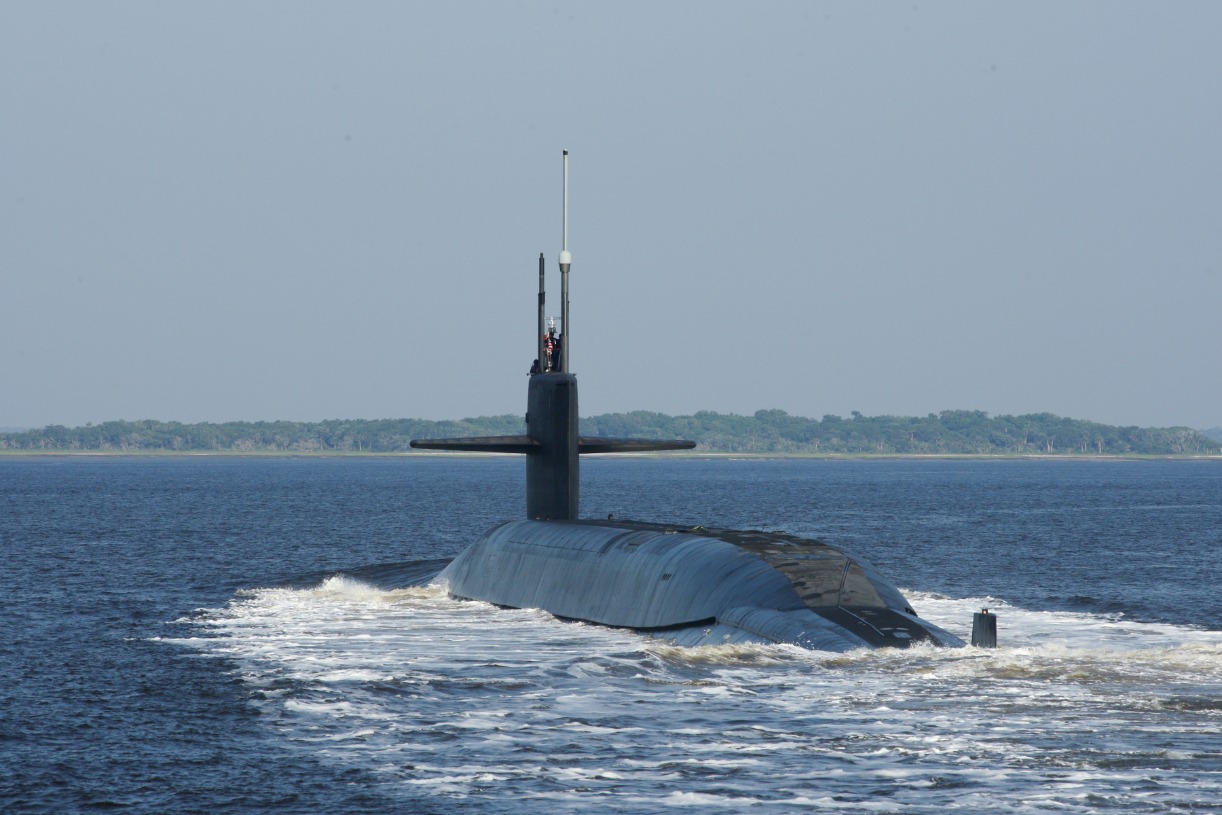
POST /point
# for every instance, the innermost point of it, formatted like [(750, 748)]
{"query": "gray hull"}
[(691, 586)]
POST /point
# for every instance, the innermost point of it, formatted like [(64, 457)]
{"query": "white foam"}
[(455, 700)]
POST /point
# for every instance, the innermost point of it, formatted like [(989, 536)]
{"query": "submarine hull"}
[(691, 585)]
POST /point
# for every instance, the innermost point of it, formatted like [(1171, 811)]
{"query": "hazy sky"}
[(254, 210)]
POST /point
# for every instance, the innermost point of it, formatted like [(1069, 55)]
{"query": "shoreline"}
[(686, 455)]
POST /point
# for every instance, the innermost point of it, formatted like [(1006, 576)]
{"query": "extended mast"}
[(566, 260)]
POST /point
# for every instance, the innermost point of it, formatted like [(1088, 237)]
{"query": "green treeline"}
[(767, 431)]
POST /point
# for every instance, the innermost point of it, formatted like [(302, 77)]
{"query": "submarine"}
[(690, 585)]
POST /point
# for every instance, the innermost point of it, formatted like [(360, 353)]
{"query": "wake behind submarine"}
[(690, 585)]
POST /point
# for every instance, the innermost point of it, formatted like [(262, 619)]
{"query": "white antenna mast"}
[(566, 259)]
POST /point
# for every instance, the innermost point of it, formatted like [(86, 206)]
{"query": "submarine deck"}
[(659, 577)]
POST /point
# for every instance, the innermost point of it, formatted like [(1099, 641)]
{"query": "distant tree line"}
[(767, 431)]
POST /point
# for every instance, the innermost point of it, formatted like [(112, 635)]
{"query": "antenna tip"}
[(566, 152)]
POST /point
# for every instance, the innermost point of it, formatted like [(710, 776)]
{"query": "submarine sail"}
[(691, 585)]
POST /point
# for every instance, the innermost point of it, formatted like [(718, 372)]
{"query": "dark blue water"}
[(105, 560)]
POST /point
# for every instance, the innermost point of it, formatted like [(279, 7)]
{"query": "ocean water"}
[(228, 635)]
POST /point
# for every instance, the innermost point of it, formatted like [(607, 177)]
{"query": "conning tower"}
[(552, 445)]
